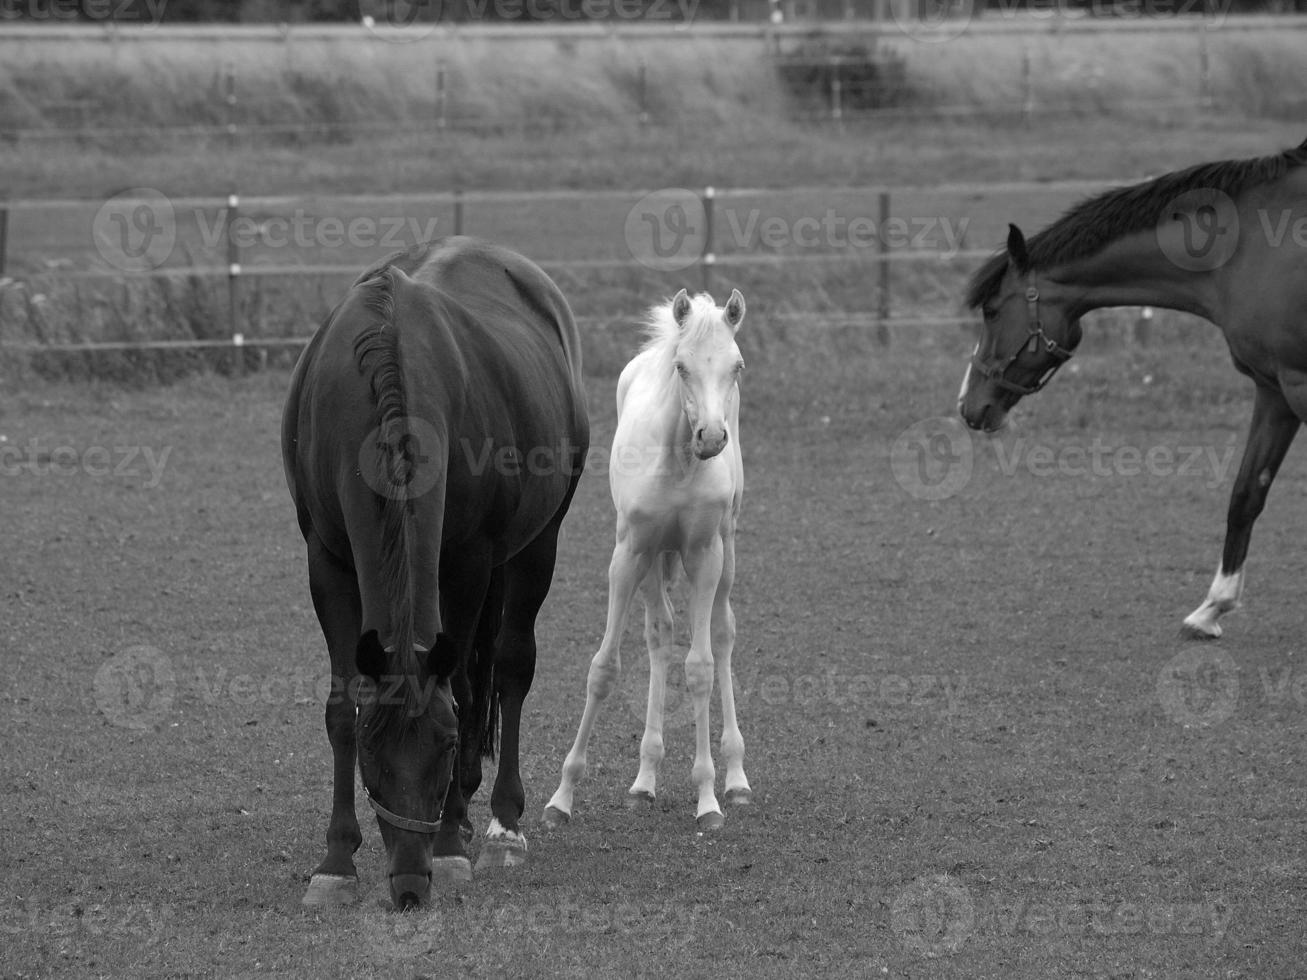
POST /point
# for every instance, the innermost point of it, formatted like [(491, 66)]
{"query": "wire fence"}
[(698, 235)]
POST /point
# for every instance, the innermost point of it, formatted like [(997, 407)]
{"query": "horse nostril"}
[(699, 434)]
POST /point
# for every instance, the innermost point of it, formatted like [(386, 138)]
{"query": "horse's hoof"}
[(712, 820), (1195, 631), (451, 869), (331, 890), (637, 799), (739, 797), (555, 818), (502, 854)]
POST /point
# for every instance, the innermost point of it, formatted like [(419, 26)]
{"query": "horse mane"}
[(377, 354), (1093, 224), (662, 334)]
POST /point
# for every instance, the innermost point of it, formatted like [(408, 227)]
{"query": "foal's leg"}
[(336, 600), (660, 637), (1273, 427), (703, 568), (627, 568), (723, 643)]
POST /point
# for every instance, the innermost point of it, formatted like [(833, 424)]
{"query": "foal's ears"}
[(1016, 248), (681, 307), (735, 310)]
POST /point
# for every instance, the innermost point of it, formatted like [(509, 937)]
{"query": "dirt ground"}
[(979, 746)]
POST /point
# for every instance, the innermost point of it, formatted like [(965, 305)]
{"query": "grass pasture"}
[(967, 720), (978, 746)]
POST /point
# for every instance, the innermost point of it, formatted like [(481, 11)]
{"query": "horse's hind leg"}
[(723, 644), (336, 601), (660, 637), (628, 567)]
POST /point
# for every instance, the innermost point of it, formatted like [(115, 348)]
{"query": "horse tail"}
[(378, 354), (484, 693)]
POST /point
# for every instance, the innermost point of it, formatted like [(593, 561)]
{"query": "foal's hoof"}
[(554, 818), (739, 797), (451, 870), (638, 799), (502, 854), (712, 820), (331, 890)]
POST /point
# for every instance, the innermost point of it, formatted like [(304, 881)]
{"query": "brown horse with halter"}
[(1226, 241), (433, 437)]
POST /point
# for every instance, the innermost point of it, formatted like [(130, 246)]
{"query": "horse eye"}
[(682, 370), (988, 313)]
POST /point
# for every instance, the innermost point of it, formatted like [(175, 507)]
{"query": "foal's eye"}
[(682, 370)]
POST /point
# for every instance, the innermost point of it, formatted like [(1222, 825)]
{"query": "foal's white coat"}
[(677, 481)]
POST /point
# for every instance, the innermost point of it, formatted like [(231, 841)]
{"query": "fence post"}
[(229, 99), (709, 258), (458, 212), (442, 97), (836, 93), (1204, 66), (233, 284), (4, 235), (882, 248), (1027, 90), (642, 91)]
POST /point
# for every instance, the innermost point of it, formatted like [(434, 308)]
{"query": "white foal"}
[(677, 480)]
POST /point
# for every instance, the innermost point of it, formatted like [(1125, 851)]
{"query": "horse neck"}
[(1133, 271)]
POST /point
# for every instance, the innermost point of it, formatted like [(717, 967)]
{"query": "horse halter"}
[(395, 820), (409, 823), (1036, 339)]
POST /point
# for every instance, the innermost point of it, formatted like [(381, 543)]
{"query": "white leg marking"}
[(1222, 597)]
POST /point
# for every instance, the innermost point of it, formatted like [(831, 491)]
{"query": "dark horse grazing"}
[(1226, 241), (433, 437)]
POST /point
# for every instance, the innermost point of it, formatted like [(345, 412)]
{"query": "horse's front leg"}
[(1273, 427), (723, 645), (336, 601), (629, 565), (660, 638), (703, 568)]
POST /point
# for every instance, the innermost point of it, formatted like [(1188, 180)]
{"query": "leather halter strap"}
[(393, 818), (1036, 338), (403, 823)]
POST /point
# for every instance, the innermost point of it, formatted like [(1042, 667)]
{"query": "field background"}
[(970, 753)]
